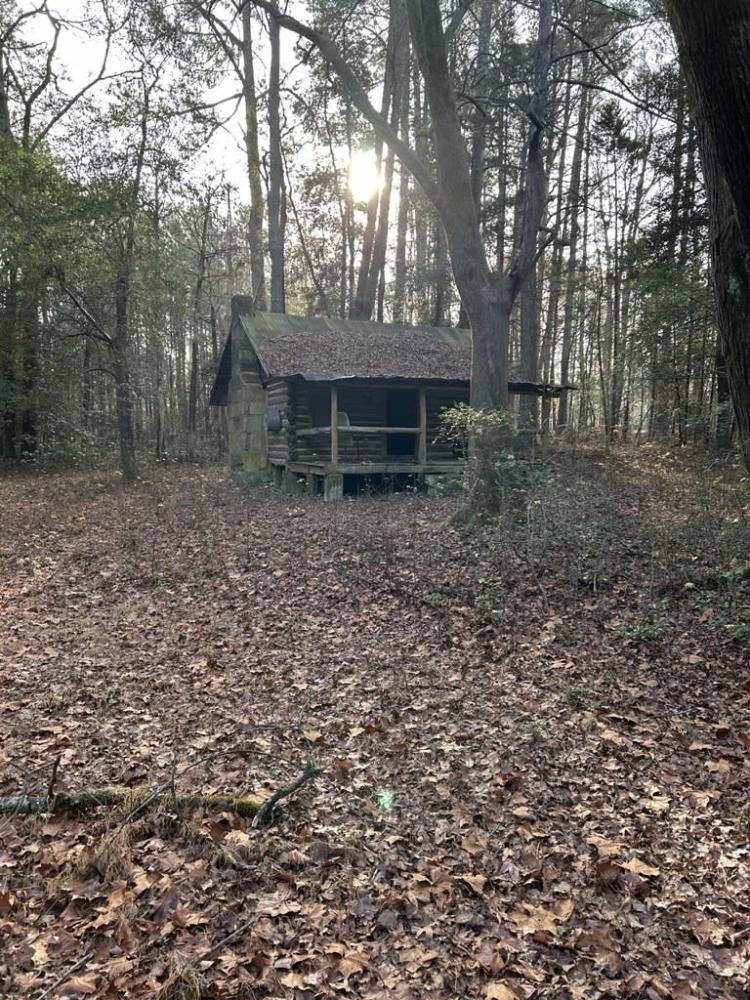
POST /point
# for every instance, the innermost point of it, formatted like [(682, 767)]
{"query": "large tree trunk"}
[(714, 44), (487, 302), (732, 290)]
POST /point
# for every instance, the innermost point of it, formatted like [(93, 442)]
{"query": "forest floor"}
[(534, 738)]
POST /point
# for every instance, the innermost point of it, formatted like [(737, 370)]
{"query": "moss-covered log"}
[(94, 798)]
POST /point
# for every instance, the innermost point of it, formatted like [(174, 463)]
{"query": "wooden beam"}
[(422, 425), (407, 468), (357, 429), (334, 424)]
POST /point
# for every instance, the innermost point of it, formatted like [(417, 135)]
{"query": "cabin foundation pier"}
[(333, 486), (291, 483)]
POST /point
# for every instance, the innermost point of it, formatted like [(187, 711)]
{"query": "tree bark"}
[(714, 45), (535, 207), (255, 228), (714, 42), (402, 224), (732, 290), (276, 189), (571, 271)]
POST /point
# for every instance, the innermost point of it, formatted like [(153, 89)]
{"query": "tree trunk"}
[(571, 272), (276, 191), (121, 370), (364, 296), (193, 401), (402, 224), (255, 229), (487, 302), (399, 76), (86, 386), (723, 404), (731, 287), (714, 43), (534, 210), (30, 293), (528, 409), (9, 395)]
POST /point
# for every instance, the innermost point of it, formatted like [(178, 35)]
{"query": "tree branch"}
[(456, 18), (330, 51), (75, 98)]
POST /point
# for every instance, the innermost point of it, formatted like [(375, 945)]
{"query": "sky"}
[(79, 58)]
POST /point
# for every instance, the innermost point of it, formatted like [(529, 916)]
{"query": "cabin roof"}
[(324, 349)]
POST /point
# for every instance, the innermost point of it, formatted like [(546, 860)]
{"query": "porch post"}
[(422, 425), (334, 424)]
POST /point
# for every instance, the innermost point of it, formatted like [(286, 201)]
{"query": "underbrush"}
[(661, 536)]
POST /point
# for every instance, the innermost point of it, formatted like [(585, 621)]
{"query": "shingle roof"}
[(324, 349), (328, 349)]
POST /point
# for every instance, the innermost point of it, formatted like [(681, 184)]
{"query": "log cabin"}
[(287, 381)]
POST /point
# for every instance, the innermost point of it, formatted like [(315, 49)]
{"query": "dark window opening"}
[(402, 410), (320, 407)]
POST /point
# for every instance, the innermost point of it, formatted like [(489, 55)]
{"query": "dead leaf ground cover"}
[(534, 738)]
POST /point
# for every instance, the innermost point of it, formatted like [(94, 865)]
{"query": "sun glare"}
[(364, 177)]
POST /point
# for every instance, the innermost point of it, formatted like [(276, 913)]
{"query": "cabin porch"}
[(382, 429)]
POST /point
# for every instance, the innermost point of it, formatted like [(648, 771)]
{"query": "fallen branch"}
[(66, 975), (270, 803), (237, 932)]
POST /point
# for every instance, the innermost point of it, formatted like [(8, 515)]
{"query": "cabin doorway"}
[(401, 410)]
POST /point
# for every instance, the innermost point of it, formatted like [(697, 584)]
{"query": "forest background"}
[(155, 160)]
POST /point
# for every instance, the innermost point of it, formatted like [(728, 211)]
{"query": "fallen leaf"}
[(606, 848), (640, 867), (80, 986), (499, 991), (475, 882)]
